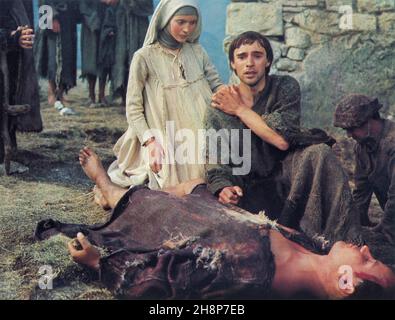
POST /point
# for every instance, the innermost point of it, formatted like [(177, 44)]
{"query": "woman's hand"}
[(156, 156), (87, 255)]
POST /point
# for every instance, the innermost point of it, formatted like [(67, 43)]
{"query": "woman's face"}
[(181, 27)]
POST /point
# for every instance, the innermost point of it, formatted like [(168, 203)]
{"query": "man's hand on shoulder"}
[(230, 195), (230, 100)]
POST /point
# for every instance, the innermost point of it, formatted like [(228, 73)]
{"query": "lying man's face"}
[(361, 266)]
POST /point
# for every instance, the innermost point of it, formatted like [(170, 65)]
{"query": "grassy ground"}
[(56, 187)]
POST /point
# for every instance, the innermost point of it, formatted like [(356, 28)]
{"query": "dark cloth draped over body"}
[(56, 54), (173, 248), (164, 247), (22, 75)]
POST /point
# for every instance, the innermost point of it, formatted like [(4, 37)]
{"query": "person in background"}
[(55, 50), (359, 115), (171, 80), (16, 42), (97, 46)]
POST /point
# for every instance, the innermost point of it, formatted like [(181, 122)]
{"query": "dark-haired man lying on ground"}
[(167, 246)]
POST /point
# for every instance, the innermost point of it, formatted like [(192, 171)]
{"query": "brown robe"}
[(164, 247)]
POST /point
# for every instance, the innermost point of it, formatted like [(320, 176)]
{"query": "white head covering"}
[(162, 15)]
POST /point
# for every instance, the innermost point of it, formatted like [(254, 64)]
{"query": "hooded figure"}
[(169, 90)]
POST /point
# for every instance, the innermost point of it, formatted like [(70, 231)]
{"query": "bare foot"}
[(91, 164), (100, 199)]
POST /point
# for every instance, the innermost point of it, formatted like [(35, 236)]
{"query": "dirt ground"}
[(56, 187)]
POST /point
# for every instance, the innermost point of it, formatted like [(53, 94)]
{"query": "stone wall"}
[(332, 47)]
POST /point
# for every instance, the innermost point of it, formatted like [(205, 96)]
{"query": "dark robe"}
[(98, 35), (90, 34), (164, 247), (132, 24), (107, 41), (60, 68), (23, 79)]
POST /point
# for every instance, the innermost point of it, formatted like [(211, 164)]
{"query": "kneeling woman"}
[(170, 87)]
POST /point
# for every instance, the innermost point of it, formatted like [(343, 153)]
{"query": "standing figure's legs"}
[(102, 90), (92, 85)]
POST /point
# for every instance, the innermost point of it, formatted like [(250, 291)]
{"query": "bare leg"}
[(92, 85), (51, 93), (184, 188), (60, 95), (102, 89), (99, 198), (93, 168), (123, 92)]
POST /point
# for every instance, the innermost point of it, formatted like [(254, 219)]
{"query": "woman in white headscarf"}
[(169, 90)]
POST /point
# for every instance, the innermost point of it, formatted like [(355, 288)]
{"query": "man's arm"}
[(283, 114), (259, 126), (278, 127), (231, 101)]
